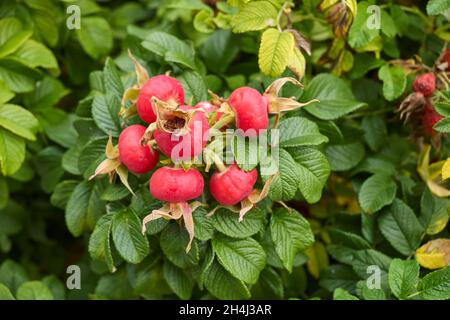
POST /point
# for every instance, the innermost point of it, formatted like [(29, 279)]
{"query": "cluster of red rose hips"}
[(424, 86), (180, 132)]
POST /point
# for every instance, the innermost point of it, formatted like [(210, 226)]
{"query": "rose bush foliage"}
[(362, 184)]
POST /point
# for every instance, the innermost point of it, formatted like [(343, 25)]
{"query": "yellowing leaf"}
[(297, 63), (434, 254), (275, 51), (317, 259), (254, 16), (446, 170), (429, 172)]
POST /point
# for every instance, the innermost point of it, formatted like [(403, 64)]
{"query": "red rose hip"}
[(232, 185), (190, 144), (164, 88), (136, 157), (176, 185), (425, 83), (250, 108), (430, 117)]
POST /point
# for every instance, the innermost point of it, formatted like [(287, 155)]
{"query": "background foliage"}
[(366, 189)]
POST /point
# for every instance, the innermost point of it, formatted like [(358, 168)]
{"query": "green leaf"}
[(388, 27), (436, 285), (35, 54), (90, 156), (436, 7), (341, 294), (34, 290), (400, 226), (335, 96), (271, 284), (204, 22), (434, 212), (313, 169), (363, 259), (204, 228), (219, 50), (339, 276), (4, 192), (15, 42), (298, 131), (99, 242), (95, 36), (48, 166), (111, 79), (371, 293), (194, 86), (243, 258), (403, 277), (105, 110), (170, 48), (348, 239), (178, 280), (227, 222), (173, 243), (131, 244), (84, 207), (275, 51), (18, 120), (291, 233), (345, 156), (376, 192), (394, 81), (443, 125), (375, 131), (56, 287), (61, 129), (18, 77), (246, 152), (5, 93), (223, 285), (360, 35), (48, 92), (12, 152), (12, 36), (5, 293), (254, 16), (12, 274), (286, 180)]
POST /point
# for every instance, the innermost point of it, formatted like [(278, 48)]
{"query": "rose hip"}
[(233, 185), (430, 117), (176, 185), (425, 83), (163, 87), (250, 109), (193, 141), (136, 157)]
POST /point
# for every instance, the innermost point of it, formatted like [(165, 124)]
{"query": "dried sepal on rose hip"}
[(163, 87), (183, 145), (176, 186), (231, 185), (128, 155), (181, 132)]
